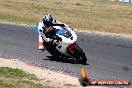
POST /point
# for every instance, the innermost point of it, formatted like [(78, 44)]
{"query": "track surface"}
[(109, 57)]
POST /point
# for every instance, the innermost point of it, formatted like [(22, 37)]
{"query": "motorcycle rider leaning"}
[(46, 29)]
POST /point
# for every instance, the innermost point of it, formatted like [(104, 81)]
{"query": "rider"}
[(45, 28)]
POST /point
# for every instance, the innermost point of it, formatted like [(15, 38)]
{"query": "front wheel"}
[(80, 55)]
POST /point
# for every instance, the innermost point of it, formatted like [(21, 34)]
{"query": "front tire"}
[(80, 55), (55, 54)]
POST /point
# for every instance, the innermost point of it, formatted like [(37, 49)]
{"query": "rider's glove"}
[(56, 41)]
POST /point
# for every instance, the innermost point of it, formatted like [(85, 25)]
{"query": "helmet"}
[(47, 20)]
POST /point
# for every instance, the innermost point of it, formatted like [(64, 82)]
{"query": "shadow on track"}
[(63, 60)]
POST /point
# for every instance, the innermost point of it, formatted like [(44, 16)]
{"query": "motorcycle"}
[(66, 45)]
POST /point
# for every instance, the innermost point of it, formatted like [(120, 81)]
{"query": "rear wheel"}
[(80, 55)]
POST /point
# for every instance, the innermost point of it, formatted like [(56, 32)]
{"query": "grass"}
[(8, 72), (92, 15), (20, 84), (16, 78)]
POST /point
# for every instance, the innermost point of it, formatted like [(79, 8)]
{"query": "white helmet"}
[(47, 20)]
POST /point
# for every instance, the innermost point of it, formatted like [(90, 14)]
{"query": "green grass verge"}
[(16, 78), (20, 84), (92, 15), (9, 72)]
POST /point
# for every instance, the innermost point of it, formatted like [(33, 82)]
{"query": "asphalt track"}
[(109, 57)]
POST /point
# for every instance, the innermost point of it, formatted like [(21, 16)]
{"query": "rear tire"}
[(80, 55)]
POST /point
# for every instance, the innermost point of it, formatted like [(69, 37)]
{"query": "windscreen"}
[(64, 32)]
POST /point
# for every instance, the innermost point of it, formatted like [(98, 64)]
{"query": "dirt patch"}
[(46, 77)]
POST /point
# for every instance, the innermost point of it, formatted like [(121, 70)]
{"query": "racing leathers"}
[(48, 33)]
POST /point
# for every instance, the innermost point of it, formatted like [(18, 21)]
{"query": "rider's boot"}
[(41, 44), (43, 49)]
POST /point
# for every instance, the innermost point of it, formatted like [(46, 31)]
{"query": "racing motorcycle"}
[(66, 45)]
